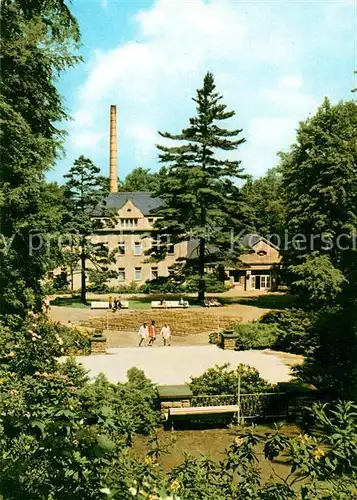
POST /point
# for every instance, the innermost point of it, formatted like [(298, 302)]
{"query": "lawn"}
[(211, 442), (72, 301), (136, 302)]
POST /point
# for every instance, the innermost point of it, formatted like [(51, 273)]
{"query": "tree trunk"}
[(83, 273), (201, 270)]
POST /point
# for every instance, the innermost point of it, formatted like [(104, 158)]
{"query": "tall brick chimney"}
[(113, 153)]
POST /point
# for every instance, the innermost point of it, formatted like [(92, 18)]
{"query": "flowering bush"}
[(62, 437)]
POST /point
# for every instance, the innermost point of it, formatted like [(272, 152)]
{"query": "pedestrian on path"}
[(143, 334), (110, 302), (47, 304), (152, 333), (166, 334)]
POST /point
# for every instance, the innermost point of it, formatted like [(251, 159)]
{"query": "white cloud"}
[(256, 57)]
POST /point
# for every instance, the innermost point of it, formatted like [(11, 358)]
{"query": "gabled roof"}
[(143, 200), (250, 240)]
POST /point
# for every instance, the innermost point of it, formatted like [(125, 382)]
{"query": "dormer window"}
[(261, 253)]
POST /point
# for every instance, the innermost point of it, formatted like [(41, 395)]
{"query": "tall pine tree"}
[(201, 199)]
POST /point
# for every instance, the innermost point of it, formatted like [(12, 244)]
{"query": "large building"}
[(133, 234), (131, 237)]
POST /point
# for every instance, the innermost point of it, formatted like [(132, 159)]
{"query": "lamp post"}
[(238, 400)]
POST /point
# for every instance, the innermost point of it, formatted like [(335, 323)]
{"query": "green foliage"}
[(295, 329), (132, 287), (84, 195), (177, 282), (201, 199), (320, 194), (212, 283), (222, 380), (265, 200), (322, 466), (60, 282), (97, 280), (60, 435), (37, 344), (255, 336), (162, 284), (38, 39), (214, 338), (317, 281), (141, 179), (331, 364)]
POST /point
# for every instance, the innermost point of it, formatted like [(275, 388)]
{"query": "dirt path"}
[(175, 365)]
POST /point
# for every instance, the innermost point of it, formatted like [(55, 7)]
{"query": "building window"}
[(121, 274), (137, 248), (129, 223), (154, 273), (50, 275), (121, 248), (154, 245), (137, 274), (167, 245), (151, 221)]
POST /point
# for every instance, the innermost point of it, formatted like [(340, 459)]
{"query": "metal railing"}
[(257, 405)]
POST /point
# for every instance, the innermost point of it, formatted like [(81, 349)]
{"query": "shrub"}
[(222, 380), (75, 342), (61, 282), (255, 336), (213, 283), (295, 329), (162, 284), (133, 287), (97, 281), (214, 338)]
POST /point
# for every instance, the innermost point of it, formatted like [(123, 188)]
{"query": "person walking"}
[(143, 334), (166, 334), (110, 302), (47, 304), (152, 333)]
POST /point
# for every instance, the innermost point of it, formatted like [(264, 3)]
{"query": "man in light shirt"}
[(166, 334), (143, 334)]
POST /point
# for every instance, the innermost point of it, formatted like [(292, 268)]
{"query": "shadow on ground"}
[(268, 301)]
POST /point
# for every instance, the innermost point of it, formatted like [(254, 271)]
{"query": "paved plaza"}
[(175, 365)]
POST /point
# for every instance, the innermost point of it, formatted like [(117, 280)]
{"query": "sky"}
[(273, 61)]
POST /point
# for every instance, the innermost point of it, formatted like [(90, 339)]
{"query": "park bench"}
[(169, 304), (201, 410), (105, 305), (99, 305)]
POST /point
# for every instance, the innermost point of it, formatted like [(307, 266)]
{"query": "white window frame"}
[(121, 246), (121, 271), (137, 246), (156, 271), (137, 269)]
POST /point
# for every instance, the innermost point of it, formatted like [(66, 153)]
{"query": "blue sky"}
[(273, 61)]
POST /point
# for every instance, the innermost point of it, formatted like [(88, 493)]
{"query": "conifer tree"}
[(84, 193), (201, 199)]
